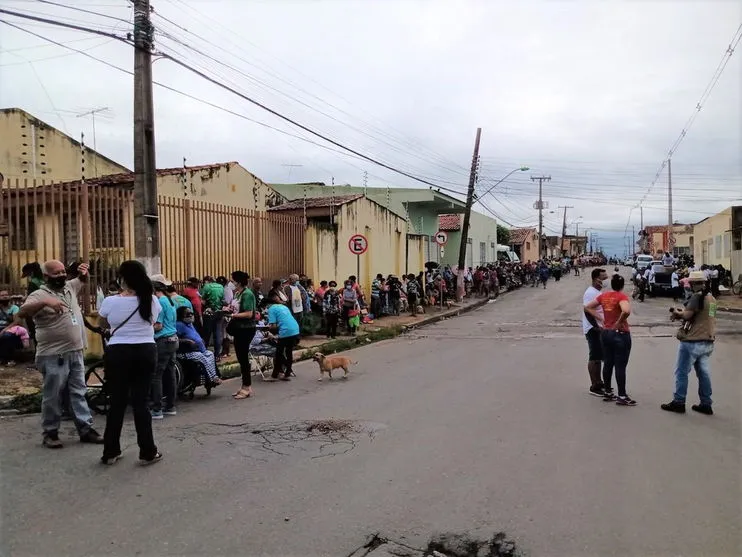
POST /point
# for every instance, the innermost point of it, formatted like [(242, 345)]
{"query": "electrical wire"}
[(82, 10)]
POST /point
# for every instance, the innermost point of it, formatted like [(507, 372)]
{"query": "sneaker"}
[(110, 461), (625, 401), (609, 395), (51, 440), (674, 406), (703, 409), (157, 414), (596, 390), (91, 436), (148, 461), (170, 411)]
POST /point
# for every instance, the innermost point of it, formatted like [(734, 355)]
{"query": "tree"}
[(503, 235)]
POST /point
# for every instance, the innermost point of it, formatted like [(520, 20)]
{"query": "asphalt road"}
[(477, 424)]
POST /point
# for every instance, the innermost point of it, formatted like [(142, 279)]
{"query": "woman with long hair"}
[(130, 360), (242, 329)]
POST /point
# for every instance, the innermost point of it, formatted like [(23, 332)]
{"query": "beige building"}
[(333, 221), (524, 242), (32, 149), (716, 240)]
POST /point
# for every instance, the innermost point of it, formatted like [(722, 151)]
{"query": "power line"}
[(75, 8), (237, 93)]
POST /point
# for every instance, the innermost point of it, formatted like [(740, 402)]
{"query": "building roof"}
[(320, 189), (520, 235), (125, 178), (317, 202), (74, 141), (449, 222)]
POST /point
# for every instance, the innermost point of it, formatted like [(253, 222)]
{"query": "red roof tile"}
[(317, 202), (449, 222), (520, 235)]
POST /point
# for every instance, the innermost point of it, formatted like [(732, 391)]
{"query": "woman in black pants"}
[(130, 360), (615, 337), (242, 329)]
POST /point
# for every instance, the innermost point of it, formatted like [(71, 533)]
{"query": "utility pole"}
[(469, 201), (670, 238), (633, 240), (146, 220), (564, 224), (540, 211)]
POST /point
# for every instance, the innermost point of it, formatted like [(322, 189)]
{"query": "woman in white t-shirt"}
[(130, 360)]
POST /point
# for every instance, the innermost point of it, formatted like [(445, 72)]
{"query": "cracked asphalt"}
[(476, 424)]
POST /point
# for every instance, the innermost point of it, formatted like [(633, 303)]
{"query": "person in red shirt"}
[(191, 292), (616, 337)]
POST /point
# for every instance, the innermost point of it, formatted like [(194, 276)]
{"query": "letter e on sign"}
[(358, 244)]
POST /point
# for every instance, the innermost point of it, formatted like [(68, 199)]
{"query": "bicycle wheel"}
[(737, 288), (96, 394)]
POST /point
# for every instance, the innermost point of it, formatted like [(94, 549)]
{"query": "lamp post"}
[(521, 169)]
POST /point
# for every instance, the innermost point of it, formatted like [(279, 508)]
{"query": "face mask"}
[(606, 283), (348, 286), (188, 320), (56, 283)]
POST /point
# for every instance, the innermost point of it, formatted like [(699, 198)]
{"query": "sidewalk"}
[(730, 303)]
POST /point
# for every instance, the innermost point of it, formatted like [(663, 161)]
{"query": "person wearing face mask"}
[(59, 350), (297, 298), (350, 302), (331, 309), (696, 335), (191, 345), (591, 329)]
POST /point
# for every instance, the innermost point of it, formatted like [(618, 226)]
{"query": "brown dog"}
[(329, 363)]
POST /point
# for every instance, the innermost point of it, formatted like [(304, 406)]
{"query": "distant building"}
[(32, 149), (656, 240), (524, 242), (426, 211), (331, 222), (717, 240)]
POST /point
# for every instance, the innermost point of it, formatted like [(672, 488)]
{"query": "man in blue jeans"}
[(696, 336)]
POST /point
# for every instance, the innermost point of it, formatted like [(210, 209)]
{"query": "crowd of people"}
[(680, 271), (605, 321)]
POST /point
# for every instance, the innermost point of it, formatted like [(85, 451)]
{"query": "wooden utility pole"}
[(469, 201), (670, 239), (564, 224), (540, 211), (146, 225)]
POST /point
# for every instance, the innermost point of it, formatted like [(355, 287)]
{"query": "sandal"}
[(147, 462), (242, 394)]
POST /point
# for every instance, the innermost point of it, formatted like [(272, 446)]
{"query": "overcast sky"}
[(591, 93)]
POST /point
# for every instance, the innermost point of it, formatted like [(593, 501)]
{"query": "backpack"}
[(349, 297), (412, 289)]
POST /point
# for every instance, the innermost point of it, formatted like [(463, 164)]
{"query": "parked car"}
[(643, 261), (629, 262)]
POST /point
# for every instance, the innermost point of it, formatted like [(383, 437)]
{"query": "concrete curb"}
[(446, 314), (729, 310)]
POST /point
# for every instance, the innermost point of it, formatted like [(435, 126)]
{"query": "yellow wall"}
[(56, 155), (415, 254), (327, 256), (529, 250), (226, 184), (713, 231)]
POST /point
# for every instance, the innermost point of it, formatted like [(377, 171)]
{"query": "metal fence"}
[(200, 238), (69, 221), (75, 221)]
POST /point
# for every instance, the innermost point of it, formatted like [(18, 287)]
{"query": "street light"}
[(521, 169)]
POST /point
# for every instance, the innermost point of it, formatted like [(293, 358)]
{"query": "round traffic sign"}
[(358, 244), (441, 237)]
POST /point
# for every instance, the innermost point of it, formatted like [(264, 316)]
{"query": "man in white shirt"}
[(675, 284), (668, 260), (591, 329)]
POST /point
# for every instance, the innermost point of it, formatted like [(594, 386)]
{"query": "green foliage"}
[(503, 235)]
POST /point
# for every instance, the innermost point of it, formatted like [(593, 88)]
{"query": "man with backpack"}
[(413, 293)]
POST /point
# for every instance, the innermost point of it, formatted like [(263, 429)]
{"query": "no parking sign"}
[(358, 244)]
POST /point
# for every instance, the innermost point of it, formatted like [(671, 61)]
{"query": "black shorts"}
[(594, 345)]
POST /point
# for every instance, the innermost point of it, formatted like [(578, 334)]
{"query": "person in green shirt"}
[(212, 295), (178, 300), (242, 329)]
